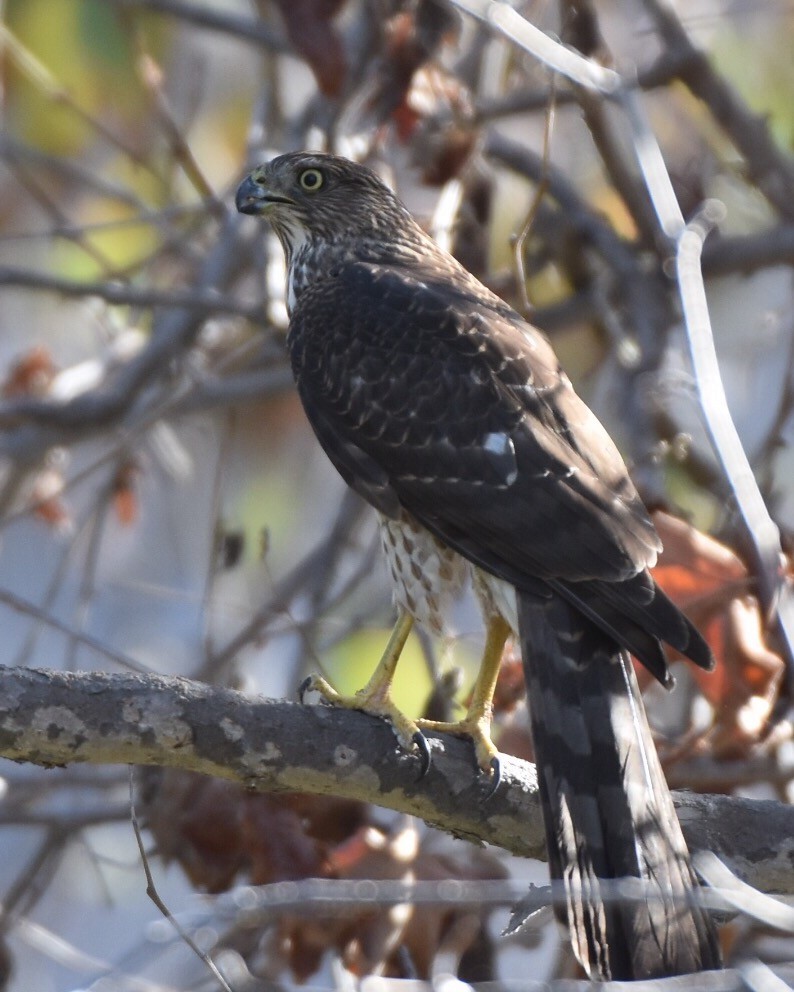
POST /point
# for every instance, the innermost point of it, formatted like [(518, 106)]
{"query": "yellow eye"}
[(311, 180)]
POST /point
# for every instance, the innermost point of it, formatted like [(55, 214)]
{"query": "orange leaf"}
[(30, 375), (125, 498), (712, 586)]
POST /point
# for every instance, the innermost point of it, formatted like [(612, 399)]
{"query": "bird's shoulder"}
[(421, 311), (423, 341)]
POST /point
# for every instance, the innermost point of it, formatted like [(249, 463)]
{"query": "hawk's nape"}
[(450, 415)]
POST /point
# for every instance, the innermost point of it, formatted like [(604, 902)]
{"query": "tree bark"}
[(54, 718)]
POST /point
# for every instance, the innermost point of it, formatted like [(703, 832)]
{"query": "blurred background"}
[(163, 504)]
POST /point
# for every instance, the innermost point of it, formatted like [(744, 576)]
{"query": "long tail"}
[(608, 812)]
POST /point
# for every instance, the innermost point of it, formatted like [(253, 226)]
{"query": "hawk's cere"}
[(450, 414)]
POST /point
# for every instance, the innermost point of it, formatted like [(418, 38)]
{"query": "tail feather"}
[(608, 811), (639, 616)]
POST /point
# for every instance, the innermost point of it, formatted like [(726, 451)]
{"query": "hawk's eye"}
[(311, 180)]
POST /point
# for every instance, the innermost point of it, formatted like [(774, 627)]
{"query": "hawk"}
[(451, 416)]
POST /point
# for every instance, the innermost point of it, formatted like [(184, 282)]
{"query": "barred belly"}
[(427, 576)]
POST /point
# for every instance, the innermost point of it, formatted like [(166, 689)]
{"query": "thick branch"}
[(55, 718)]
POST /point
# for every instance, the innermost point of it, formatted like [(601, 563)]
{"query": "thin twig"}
[(21, 605), (154, 895), (314, 567), (205, 301), (537, 198), (53, 588)]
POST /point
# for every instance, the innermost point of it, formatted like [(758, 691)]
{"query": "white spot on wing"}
[(500, 446), (497, 444)]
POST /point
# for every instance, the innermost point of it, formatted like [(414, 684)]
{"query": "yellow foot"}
[(376, 700), (478, 729), (477, 723)]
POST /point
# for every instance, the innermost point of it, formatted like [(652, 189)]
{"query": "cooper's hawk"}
[(450, 414)]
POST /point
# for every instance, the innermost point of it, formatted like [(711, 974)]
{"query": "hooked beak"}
[(254, 198)]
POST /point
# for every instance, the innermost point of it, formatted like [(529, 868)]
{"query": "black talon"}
[(425, 756), (496, 777), (303, 688)]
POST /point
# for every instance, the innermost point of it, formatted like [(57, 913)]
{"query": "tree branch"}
[(768, 165), (250, 29), (55, 718), (206, 301)]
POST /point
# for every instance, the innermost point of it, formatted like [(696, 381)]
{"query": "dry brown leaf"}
[(310, 27), (509, 692), (217, 831), (124, 493), (381, 939), (712, 586), (30, 375)]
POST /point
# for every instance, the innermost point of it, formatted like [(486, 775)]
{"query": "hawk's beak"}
[(254, 197)]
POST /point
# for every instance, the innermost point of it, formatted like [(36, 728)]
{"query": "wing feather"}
[(430, 397), (462, 406)]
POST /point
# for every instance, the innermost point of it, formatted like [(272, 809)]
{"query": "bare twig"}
[(41, 77), (174, 332), (152, 77), (21, 605), (770, 912), (26, 889), (19, 154), (204, 301), (537, 198), (154, 895), (313, 569), (663, 71)]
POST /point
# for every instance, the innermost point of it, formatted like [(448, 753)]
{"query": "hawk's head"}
[(323, 198)]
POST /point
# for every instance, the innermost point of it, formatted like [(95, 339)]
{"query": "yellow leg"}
[(477, 722), (375, 697)]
